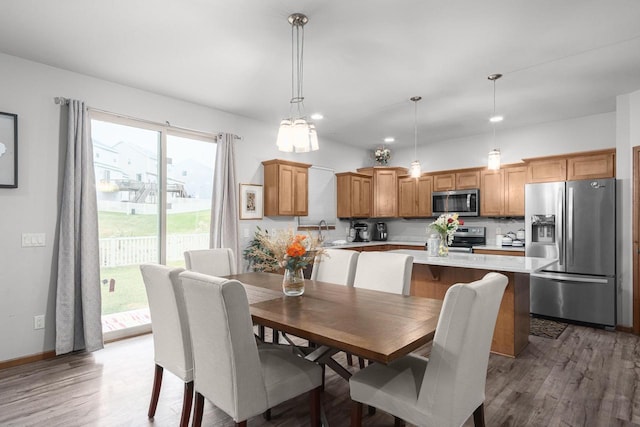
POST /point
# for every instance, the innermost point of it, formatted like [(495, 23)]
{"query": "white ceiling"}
[(363, 59)]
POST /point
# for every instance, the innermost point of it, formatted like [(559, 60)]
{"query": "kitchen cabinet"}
[(462, 179), (547, 170), (384, 190), (414, 196), (498, 252), (492, 193), (569, 167), (515, 177), (502, 191), (354, 195), (285, 188), (599, 164)]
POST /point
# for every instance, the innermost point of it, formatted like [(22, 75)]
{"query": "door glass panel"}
[(126, 169), (190, 164)]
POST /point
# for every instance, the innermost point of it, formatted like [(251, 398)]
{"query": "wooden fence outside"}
[(119, 251)]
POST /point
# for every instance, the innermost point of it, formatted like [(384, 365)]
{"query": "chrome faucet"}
[(321, 237)]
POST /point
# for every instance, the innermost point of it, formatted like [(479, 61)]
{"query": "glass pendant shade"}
[(296, 134), (496, 118), (493, 162), (415, 170)]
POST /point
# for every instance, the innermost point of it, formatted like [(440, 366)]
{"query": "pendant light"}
[(493, 160), (296, 133), (415, 170)]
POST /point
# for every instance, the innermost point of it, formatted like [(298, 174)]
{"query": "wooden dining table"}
[(377, 326)]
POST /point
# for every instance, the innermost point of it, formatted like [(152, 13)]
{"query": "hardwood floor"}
[(587, 377)]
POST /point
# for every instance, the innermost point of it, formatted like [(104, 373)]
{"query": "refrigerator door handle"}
[(570, 227), (569, 278), (559, 226)]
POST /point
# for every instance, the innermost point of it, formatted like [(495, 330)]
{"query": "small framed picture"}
[(8, 150), (250, 201)]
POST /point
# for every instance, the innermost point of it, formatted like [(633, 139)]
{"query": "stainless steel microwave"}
[(463, 202)]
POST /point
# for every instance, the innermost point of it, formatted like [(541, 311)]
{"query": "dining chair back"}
[(336, 266), (230, 369), (214, 262), (447, 388), (384, 271), (171, 340)]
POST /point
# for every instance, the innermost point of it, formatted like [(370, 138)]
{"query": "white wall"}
[(627, 137), (27, 275)]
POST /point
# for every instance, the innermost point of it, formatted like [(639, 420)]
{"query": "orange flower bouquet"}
[(292, 252)]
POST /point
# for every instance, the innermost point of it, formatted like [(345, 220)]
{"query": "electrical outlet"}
[(38, 322)]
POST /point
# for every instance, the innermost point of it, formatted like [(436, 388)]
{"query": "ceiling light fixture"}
[(296, 134), (493, 160), (415, 170), (389, 139)]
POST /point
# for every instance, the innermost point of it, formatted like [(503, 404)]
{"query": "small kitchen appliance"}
[(362, 233), (380, 231)]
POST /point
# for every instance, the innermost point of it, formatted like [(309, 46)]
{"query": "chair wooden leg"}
[(349, 359), (478, 416), (187, 400), (275, 337), (315, 407), (242, 424), (356, 414), (155, 391), (361, 362), (267, 414), (261, 332), (198, 410), (398, 422)]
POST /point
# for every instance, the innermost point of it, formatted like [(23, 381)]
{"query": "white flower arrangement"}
[(446, 225), (382, 155)]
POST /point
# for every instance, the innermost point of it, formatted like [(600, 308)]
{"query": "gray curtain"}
[(224, 201), (78, 305)]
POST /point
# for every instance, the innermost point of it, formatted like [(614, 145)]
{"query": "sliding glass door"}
[(154, 188)]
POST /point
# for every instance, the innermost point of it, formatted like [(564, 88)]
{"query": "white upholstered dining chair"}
[(447, 388), (336, 266), (171, 341), (230, 369), (384, 271), (214, 262)]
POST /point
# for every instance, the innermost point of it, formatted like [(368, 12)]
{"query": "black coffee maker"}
[(380, 231)]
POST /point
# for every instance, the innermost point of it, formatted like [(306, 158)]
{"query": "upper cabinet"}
[(286, 188), (462, 179), (354, 195), (414, 196), (601, 164), (546, 170), (502, 191), (568, 167), (385, 190)]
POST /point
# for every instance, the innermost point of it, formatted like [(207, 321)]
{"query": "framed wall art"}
[(251, 203), (8, 150)]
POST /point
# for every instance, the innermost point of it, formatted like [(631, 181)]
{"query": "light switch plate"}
[(30, 240)]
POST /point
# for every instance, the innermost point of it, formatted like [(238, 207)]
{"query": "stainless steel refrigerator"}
[(575, 222)]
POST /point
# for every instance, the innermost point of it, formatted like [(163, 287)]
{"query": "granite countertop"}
[(375, 243), (514, 264)]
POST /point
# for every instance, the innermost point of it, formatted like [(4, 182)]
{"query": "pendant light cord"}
[(415, 129)]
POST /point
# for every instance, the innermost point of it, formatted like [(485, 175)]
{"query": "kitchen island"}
[(432, 276)]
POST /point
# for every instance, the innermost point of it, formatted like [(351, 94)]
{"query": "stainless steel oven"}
[(463, 202)]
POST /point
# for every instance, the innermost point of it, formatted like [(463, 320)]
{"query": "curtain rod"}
[(65, 101)]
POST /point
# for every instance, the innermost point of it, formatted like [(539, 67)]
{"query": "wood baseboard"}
[(27, 359), (628, 329)]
